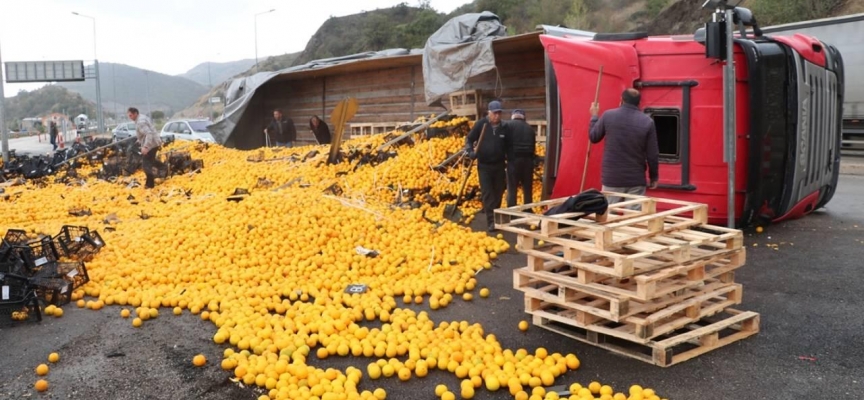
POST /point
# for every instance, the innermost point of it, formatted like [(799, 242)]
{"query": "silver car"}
[(188, 129), (124, 131)]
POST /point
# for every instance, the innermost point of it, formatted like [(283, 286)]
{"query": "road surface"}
[(808, 292)]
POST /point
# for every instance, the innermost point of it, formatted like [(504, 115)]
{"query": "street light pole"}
[(3, 131), (147, 81), (256, 36), (98, 76)]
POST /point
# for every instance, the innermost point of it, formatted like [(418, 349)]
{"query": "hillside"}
[(45, 100), (212, 74), (201, 107), (167, 93), (396, 27), (408, 27)]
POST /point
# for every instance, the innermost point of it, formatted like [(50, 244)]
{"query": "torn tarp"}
[(462, 48)]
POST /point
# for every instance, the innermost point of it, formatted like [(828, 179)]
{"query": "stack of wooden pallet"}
[(648, 284)]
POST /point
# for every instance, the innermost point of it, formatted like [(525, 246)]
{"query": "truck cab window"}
[(668, 125)]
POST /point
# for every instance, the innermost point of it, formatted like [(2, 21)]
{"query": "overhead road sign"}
[(44, 71)]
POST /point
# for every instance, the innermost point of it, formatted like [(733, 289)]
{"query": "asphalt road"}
[(811, 344)]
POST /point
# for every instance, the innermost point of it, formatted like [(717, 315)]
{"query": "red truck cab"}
[(789, 96)]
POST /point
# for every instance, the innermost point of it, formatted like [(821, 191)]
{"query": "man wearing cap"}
[(631, 147), (520, 158), (491, 156)]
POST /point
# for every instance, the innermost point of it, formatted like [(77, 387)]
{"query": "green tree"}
[(157, 115)]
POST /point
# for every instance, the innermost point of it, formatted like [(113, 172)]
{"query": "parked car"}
[(123, 131), (188, 129)]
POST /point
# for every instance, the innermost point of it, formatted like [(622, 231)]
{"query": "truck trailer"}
[(845, 33), (789, 105)]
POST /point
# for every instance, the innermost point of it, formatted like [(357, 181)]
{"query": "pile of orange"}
[(270, 271)]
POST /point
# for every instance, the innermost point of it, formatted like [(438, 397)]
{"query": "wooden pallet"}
[(648, 254), (682, 345), (609, 231), (644, 287), (639, 322)]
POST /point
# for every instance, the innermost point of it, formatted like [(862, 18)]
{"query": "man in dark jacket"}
[(631, 144), (281, 130), (320, 130), (520, 158), (52, 133), (491, 156)]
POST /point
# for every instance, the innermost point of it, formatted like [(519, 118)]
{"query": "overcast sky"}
[(167, 36)]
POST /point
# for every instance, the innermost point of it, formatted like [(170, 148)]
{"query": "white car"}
[(124, 131), (188, 129)]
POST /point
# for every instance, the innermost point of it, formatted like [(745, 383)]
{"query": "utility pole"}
[(256, 37), (99, 116), (147, 81), (209, 86), (729, 120), (3, 131), (114, 85)]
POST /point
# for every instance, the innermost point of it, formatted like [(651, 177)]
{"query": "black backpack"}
[(588, 202)]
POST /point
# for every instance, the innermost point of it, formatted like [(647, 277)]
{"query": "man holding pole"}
[(486, 144), (631, 145)]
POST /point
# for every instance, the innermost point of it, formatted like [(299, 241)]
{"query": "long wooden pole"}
[(588, 152), (409, 133)]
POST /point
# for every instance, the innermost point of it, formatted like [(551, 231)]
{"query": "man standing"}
[(491, 157), (520, 158), (52, 132), (631, 144), (281, 130), (150, 142)]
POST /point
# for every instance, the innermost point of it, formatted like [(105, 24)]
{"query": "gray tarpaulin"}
[(462, 48), (241, 90)]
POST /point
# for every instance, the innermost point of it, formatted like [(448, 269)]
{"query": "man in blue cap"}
[(520, 158), (491, 156)]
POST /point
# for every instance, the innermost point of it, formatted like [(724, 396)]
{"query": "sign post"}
[(3, 132)]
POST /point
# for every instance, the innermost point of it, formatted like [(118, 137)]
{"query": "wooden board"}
[(609, 231), (691, 341), (653, 253), (643, 321)]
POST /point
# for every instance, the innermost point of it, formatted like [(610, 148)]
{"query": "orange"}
[(41, 385), (199, 360), (42, 370)]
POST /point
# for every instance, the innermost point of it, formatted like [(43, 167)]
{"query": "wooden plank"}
[(649, 288), (665, 353)]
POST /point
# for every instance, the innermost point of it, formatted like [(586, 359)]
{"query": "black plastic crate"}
[(54, 291), (73, 272), (20, 311), (16, 237), (37, 253), (10, 263), (13, 287), (71, 238)]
